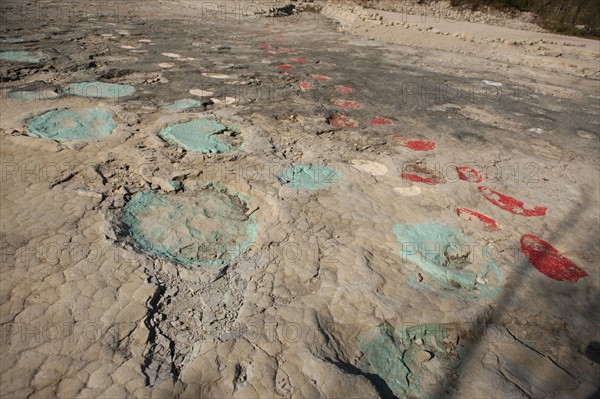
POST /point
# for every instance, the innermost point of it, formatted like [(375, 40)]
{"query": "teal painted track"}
[(100, 90), (68, 124), (309, 177), (438, 252), (207, 226)]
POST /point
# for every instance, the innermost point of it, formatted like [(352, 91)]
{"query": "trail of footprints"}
[(433, 271)]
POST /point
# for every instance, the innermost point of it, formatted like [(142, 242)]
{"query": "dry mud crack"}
[(202, 202)]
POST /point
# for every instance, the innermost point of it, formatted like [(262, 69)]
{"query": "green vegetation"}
[(574, 17)]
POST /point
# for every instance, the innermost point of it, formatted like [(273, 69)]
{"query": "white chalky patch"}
[(145, 41), (171, 55), (201, 93), (408, 191), (374, 168), (226, 101), (490, 83), (215, 75), (586, 135), (166, 65)]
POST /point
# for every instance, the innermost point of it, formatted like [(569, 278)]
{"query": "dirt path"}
[(358, 160)]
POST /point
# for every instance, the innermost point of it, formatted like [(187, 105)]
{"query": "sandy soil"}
[(86, 313)]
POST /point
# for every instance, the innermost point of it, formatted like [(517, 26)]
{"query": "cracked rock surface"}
[(84, 313)]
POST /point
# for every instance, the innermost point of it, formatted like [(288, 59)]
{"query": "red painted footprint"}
[(321, 78), (345, 104), (343, 122), (263, 45), (549, 261), (299, 60), (469, 214), (469, 174), (381, 121), (419, 179), (419, 145), (510, 204), (305, 85), (343, 89), (285, 66)]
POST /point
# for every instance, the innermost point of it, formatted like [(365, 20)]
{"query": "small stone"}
[(195, 287), (208, 317), (91, 194), (423, 356), (198, 319), (419, 341), (182, 337), (196, 350), (163, 341), (176, 323), (453, 337), (176, 185), (180, 173), (118, 202)]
